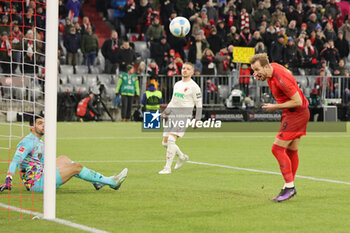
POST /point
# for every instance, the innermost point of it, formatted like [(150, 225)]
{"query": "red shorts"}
[(293, 125)]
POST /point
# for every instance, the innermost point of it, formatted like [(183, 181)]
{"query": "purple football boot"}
[(285, 194)]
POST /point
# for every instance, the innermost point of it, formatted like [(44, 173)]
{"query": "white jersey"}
[(186, 95)]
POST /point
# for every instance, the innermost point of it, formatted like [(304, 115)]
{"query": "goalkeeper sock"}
[(92, 176), (170, 152)]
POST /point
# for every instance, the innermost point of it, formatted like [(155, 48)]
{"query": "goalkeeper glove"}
[(7, 184)]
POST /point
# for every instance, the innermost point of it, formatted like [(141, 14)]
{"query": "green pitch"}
[(196, 198)]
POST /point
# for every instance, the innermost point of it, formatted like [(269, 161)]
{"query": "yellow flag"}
[(242, 54)]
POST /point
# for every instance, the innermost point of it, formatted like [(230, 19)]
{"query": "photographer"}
[(86, 110)]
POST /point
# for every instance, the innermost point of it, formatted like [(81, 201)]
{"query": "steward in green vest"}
[(128, 83), (151, 99), (127, 86)]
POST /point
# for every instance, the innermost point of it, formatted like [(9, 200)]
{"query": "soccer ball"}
[(180, 26)]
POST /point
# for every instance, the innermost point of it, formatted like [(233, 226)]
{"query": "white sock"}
[(289, 185), (170, 152), (179, 152)]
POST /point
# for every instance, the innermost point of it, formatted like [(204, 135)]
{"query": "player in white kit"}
[(186, 95)]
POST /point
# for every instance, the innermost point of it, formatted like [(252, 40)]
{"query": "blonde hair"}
[(261, 57), (190, 64), (205, 52)]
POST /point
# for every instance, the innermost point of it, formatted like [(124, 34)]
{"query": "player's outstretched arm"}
[(7, 184)]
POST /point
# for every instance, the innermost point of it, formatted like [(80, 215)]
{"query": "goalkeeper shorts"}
[(39, 185)]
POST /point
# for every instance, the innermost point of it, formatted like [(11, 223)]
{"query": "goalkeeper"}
[(29, 158)]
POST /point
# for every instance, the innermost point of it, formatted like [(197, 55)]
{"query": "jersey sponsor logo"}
[(199, 95), (179, 95), (21, 149)]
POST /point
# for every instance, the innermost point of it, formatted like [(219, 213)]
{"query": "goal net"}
[(24, 43)]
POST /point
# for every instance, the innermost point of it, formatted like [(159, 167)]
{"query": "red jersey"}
[(283, 86)]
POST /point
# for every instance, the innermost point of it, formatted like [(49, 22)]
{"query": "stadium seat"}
[(81, 69), (65, 88), (94, 70), (312, 81), (17, 71), (81, 89), (110, 13), (90, 80), (105, 79), (100, 61), (80, 57), (63, 79), (142, 49), (75, 79), (64, 50), (302, 71), (66, 69), (307, 91), (19, 92), (110, 92), (114, 79), (132, 36), (302, 80)]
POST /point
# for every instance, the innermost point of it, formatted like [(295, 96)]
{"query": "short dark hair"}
[(261, 57), (32, 120)]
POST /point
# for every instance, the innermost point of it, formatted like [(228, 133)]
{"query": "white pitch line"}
[(57, 220)]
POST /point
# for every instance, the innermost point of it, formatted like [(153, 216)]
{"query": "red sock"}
[(294, 158), (284, 161)]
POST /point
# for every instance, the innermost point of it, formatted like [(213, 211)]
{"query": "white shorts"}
[(175, 129), (179, 134)]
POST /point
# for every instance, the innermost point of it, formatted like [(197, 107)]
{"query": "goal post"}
[(50, 109)]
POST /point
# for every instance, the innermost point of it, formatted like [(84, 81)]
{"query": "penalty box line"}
[(222, 166), (57, 220)]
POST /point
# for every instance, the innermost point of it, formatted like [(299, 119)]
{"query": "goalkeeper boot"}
[(119, 179), (98, 186), (180, 162)]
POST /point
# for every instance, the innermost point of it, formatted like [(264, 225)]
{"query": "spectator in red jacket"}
[(329, 84), (244, 78), (210, 91)]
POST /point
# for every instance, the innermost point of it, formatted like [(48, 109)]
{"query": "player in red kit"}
[(295, 116)]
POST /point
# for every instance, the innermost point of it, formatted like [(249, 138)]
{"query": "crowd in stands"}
[(303, 35), (297, 34), (20, 41)]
